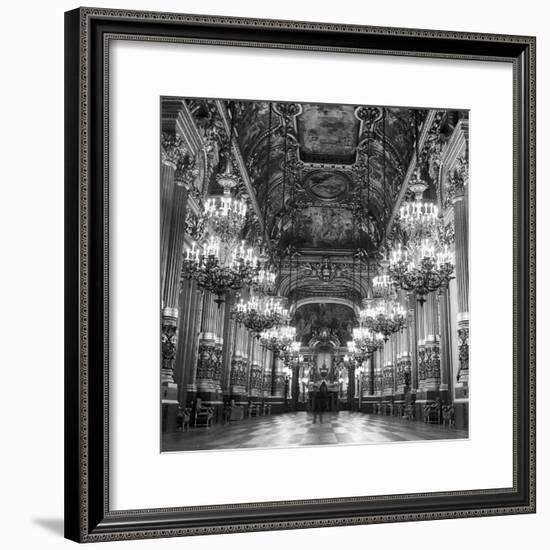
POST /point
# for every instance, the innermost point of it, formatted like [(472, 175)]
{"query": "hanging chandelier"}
[(259, 314), (264, 281), (384, 316), (418, 218), (382, 284), (220, 267), (421, 268), (366, 341), (278, 339), (291, 353), (225, 213)]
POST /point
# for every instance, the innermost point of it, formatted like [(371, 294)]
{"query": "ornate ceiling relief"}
[(326, 179)]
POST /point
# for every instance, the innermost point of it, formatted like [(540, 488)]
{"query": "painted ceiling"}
[(326, 178)]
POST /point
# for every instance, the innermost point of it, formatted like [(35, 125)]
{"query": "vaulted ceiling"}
[(326, 175), (325, 179)]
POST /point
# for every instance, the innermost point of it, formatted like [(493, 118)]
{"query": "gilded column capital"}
[(172, 149), (457, 179)]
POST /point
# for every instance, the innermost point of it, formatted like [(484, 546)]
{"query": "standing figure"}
[(320, 402)]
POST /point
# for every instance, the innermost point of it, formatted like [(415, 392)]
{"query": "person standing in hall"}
[(320, 402)]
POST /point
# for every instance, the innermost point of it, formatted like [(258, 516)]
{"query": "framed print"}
[(300, 274)]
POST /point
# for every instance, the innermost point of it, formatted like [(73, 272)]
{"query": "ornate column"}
[(462, 284), (378, 357), (368, 382), (172, 151), (267, 368), (238, 366), (192, 336), (421, 345), (174, 233), (412, 322), (209, 364), (255, 371), (277, 380), (351, 384), (445, 341), (432, 367), (387, 370)]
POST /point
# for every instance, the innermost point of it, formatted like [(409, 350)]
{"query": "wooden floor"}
[(297, 429)]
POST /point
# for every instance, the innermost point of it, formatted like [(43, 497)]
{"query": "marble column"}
[(432, 367), (462, 285), (191, 351), (421, 347), (445, 343), (369, 376), (174, 234), (412, 323), (378, 359), (239, 370), (277, 379), (209, 364), (255, 386), (172, 150)]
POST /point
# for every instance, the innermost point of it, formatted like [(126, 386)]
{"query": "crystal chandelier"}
[(220, 267), (421, 268), (226, 214), (384, 317), (291, 353), (365, 340), (264, 281), (259, 314), (382, 284), (418, 218), (278, 339)]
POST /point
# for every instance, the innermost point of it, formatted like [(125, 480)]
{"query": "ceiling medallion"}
[(327, 185)]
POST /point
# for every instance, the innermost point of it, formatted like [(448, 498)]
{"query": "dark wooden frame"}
[(87, 35)]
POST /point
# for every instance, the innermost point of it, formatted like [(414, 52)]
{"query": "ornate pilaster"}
[(172, 151), (277, 377), (238, 375), (403, 373), (458, 179), (209, 364), (445, 339), (421, 365), (169, 343), (432, 368), (255, 380), (387, 379)]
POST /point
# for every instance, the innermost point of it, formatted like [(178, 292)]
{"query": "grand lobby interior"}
[(314, 274)]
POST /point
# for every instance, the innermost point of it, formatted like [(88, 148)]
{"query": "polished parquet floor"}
[(297, 429)]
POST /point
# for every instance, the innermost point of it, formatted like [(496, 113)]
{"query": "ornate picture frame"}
[(88, 515)]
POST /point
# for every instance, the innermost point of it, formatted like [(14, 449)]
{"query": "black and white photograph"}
[(314, 268)]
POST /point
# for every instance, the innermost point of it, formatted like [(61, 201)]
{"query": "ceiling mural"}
[(324, 227), (327, 185), (311, 319), (325, 177), (328, 133)]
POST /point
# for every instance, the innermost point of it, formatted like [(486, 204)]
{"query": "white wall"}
[(31, 296)]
